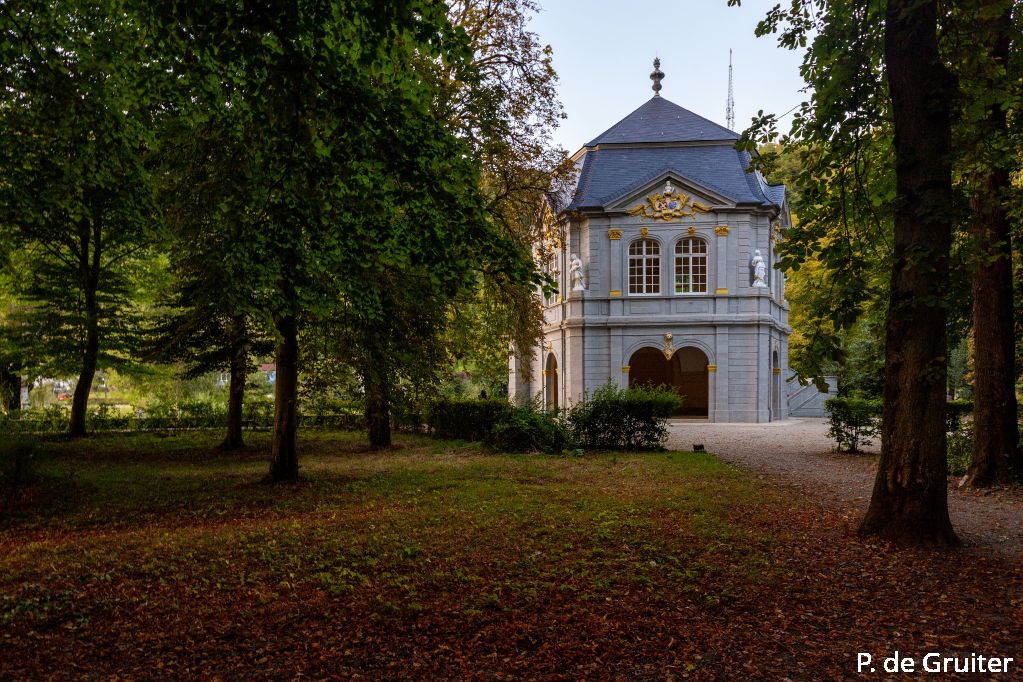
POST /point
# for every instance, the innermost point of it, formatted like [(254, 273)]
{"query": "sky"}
[(604, 52)]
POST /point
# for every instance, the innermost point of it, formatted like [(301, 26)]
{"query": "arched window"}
[(644, 267), (690, 266)]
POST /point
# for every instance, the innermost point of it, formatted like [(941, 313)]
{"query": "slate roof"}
[(612, 171), (662, 121)]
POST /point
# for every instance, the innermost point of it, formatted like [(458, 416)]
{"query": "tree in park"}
[(359, 181), (975, 43), (212, 320), (886, 61), (75, 196), (508, 115), (989, 77), (909, 502)]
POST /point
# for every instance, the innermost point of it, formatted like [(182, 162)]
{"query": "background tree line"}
[(336, 182)]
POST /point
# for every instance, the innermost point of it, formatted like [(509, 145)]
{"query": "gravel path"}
[(799, 454)]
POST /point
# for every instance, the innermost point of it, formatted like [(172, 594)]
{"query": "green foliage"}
[(527, 428), (465, 419), (959, 450), (77, 210), (853, 421), (623, 419)]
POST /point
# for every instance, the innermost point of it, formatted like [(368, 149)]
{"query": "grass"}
[(125, 555)]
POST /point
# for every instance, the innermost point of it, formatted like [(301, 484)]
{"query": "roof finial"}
[(656, 77)]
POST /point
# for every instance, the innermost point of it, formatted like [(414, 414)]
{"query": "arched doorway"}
[(550, 381), (694, 382), (685, 371)]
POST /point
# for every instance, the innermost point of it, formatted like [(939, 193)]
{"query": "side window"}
[(690, 266), (644, 267)]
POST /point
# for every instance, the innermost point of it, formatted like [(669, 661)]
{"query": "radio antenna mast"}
[(730, 107)]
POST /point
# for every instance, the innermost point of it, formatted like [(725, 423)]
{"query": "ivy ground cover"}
[(146, 556)]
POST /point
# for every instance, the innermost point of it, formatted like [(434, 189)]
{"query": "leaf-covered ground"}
[(142, 557)]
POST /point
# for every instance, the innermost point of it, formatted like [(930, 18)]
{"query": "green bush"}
[(959, 450), (105, 419), (199, 413), (624, 419), (853, 421), (528, 428), (258, 412), (465, 419)]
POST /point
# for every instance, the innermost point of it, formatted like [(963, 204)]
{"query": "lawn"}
[(142, 556)]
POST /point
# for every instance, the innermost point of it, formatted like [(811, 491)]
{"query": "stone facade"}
[(665, 223)]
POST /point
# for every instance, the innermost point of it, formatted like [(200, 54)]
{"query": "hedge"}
[(614, 418), (465, 419)]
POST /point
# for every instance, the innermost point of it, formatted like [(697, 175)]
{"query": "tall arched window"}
[(690, 266), (644, 267)]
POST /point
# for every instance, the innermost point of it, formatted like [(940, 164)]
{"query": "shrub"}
[(258, 411), (465, 419), (959, 450), (104, 418), (624, 419), (527, 428), (853, 421), (199, 413)]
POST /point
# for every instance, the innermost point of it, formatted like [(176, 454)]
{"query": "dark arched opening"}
[(686, 372)]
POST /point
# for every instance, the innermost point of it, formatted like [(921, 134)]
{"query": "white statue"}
[(668, 187), (759, 270), (575, 272)]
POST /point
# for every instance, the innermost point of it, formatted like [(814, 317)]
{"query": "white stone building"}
[(663, 253)]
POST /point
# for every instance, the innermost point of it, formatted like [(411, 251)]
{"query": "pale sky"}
[(604, 52)]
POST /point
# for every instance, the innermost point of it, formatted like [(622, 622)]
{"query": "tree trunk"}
[(378, 405), (89, 272), (236, 391), (996, 458), (284, 447), (909, 504), (10, 390)]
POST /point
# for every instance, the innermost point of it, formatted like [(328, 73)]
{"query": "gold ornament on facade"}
[(643, 232), (669, 346), (692, 231), (614, 235), (669, 205), (721, 230)]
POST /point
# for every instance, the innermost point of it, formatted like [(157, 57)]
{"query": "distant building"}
[(663, 252)]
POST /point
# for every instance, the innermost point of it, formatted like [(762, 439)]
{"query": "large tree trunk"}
[(236, 391), (910, 500), (284, 447), (89, 261), (996, 458), (378, 406)]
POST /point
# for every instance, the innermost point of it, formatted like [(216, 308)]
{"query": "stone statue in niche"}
[(759, 270), (575, 273)]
